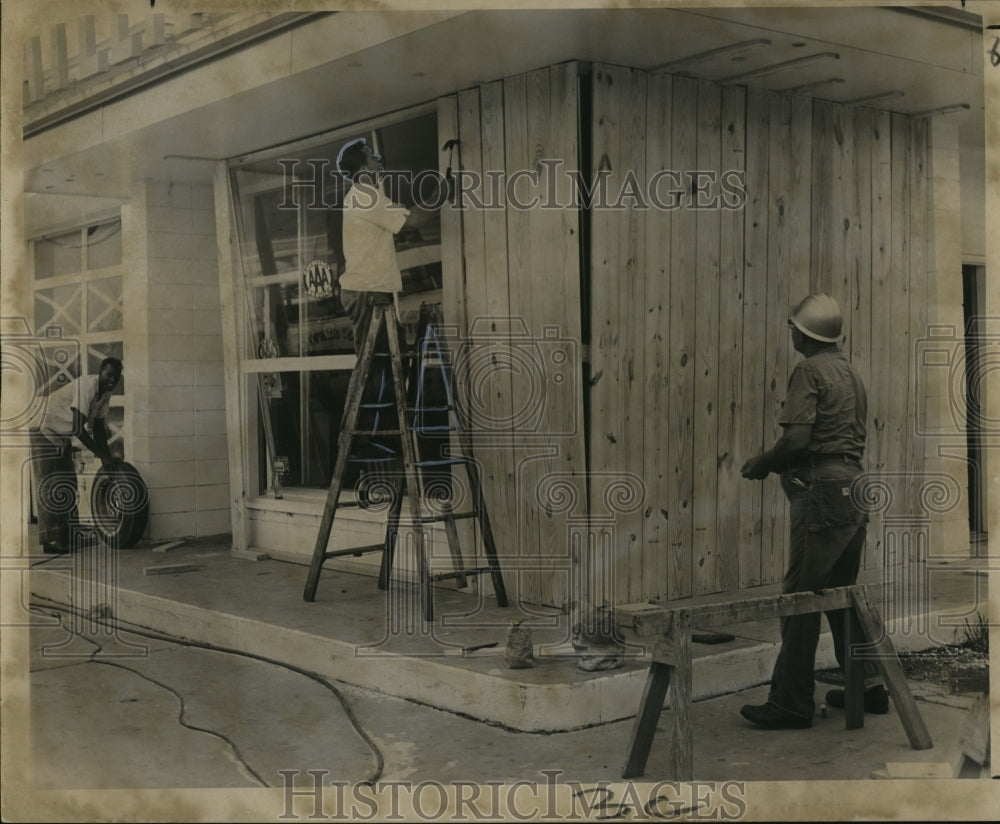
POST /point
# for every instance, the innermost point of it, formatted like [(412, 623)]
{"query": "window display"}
[(290, 225)]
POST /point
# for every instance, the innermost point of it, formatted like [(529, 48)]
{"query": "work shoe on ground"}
[(876, 700), (773, 718)]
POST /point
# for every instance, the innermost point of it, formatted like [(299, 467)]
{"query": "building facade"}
[(619, 213)]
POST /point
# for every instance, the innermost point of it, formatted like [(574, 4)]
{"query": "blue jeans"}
[(827, 541)]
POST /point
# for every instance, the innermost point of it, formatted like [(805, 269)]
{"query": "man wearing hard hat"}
[(818, 457)]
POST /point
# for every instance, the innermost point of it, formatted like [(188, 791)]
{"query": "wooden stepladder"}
[(432, 355), (669, 632)]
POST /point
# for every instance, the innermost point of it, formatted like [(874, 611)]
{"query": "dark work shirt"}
[(825, 391)]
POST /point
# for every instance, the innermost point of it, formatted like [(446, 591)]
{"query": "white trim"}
[(315, 363), (336, 133)]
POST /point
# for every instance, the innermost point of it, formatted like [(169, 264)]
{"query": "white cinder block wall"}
[(179, 416)]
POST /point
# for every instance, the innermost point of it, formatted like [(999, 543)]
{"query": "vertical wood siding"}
[(690, 351), (518, 312), (836, 201)]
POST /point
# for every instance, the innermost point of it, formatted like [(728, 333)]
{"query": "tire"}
[(119, 501)]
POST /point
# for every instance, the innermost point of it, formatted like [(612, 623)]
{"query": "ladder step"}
[(444, 576), (456, 516), (424, 430), (418, 409), (358, 550), (442, 462)]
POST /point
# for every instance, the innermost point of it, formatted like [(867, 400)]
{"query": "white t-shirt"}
[(370, 222), (82, 394)]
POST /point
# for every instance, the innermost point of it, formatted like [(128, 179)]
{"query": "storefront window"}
[(77, 290), (290, 226)]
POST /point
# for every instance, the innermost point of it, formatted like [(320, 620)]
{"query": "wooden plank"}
[(607, 434), (670, 673), (754, 319), (632, 310), (562, 312), (881, 332), (520, 272), (494, 311), (644, 726), (895, 680), (800, 198), (540, 243), (706, 348), (657, 622), (820, 272), (897, 313), (466, 305), (776, 357), (453, 276), (683, 243), (854, 673), (859, 252), (679, 694), (842, 219), (920, 295), (555, 310), (730, 482), (657, 394)]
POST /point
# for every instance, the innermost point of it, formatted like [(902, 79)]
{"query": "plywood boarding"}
[(656, 337), (540, 124), (877, 451), (690, 349), (618, 283), (828, 207), (775, 359), (730, 448), (754, 318), (704, 549), (918, 315), (683, 291), (898, 387)]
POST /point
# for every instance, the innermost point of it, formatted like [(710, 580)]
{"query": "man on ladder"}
[(371, 277)]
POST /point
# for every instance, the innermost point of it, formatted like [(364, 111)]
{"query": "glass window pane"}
[(59, 307), (62, 359), (306, 444), (104, 305), (104, 245), (59, 255)]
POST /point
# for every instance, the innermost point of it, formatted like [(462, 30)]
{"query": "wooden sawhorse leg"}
[(864, 627), (670, 671)]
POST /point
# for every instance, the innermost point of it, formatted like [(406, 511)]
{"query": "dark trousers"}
[(827, 542), (378, 411), (55, 489)]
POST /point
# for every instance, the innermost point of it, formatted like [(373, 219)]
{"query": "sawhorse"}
[(669, 632)]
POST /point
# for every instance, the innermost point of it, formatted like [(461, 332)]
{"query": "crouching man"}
[(69, 412)]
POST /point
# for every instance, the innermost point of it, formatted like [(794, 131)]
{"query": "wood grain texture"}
[(754, 319), (657, 384), (683, 301), (731, 283), (705, 560), (777, 341)]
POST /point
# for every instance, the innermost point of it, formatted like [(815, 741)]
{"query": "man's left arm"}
[(96, 442), (792, 444)]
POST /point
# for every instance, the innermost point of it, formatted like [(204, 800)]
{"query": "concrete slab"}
[(186, 717), (360, 636)]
